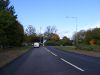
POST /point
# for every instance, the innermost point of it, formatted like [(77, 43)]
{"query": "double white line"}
[(66, 61)]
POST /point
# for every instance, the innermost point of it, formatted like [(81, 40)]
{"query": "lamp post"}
[(40, 35), (76, 38)]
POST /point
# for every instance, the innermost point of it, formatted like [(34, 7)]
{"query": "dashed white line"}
[(47, 50), (51, 52), (72, 64), (65, 60)]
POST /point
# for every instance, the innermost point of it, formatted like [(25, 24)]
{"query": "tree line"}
[(49, 37), (11, 30), (88, 37), (83, 37)]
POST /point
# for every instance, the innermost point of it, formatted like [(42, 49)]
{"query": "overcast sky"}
[(42, 13)]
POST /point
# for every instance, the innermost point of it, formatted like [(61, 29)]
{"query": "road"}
[(50, 61)]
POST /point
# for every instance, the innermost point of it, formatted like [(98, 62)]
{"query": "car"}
[(36, 45)]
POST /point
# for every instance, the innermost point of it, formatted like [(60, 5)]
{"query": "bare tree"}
[(30, 30), (49, 31)]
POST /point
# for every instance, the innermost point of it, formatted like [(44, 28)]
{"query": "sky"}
[(43, 13)]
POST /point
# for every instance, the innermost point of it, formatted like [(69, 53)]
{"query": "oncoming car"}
[(36, 45)]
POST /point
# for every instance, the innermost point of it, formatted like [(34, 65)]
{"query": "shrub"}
[(52, 43), (89, 47)]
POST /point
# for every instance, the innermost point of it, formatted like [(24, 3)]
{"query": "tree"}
[(4, 4), (93, 35), (53, 40), (30, 30), (11, 31), (75, 38), (88, 36), (12, 11), (80, 36), (49, 31), (55, 37), (30, 35), (51, 37), (65, 41)]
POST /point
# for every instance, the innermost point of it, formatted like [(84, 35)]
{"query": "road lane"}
[(65, 60), (72, 64), (91, 65), (39, 62)]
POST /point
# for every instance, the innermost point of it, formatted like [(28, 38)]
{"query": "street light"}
[(40, 34), (76, 19), (42, 39)]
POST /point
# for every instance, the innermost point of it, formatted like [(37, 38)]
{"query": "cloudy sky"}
[(42, 13)]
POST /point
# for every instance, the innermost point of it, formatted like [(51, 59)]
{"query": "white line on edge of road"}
[(72, 64), (50, 52)]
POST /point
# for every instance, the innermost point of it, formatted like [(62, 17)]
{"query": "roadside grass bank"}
[(94, 53), (8, 55)]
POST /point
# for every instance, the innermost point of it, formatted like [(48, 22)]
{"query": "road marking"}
[(53, 53), (50, 52), (65, 60), (72, 64), (46, 49)]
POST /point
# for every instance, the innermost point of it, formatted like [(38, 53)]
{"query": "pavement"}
[(51, 61)]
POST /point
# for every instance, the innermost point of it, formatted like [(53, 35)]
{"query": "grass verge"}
[(73, 49), (8, 55)]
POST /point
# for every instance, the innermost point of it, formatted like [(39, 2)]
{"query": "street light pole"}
[(40, 35), (76, 32), (76, 37)]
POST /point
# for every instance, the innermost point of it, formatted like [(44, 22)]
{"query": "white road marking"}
[(72, 64), (53, 53), (65, 60), (46, 49), (50, 52)]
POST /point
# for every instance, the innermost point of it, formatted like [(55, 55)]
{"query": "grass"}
[(8, 55), (79, 51)]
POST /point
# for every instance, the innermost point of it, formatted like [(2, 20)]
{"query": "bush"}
[(89, 47), (52, 43)]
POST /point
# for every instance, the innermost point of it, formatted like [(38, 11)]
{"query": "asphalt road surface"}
[(50, 61)]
